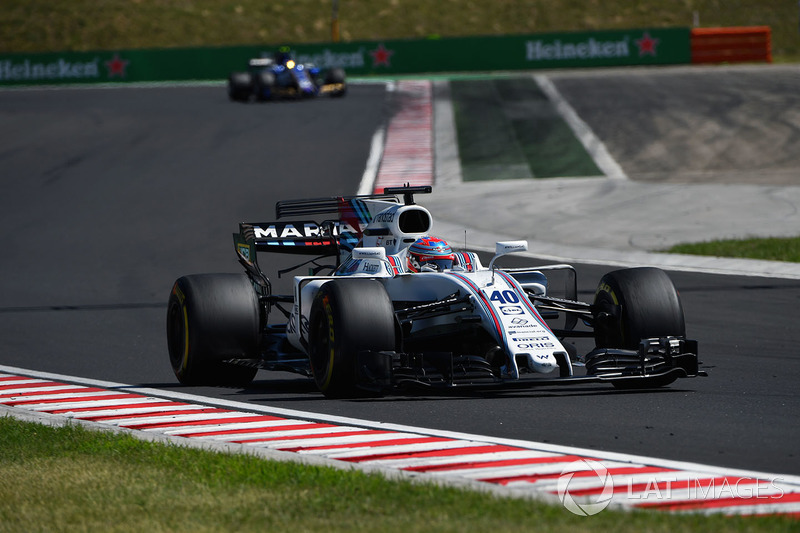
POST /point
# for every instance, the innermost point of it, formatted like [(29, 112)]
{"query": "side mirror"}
[(508, 247)]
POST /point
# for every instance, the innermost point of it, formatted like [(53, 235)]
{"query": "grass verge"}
[(44, 25), (769, 249), (73, 479)]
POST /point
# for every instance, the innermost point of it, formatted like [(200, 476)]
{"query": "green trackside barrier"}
[(654, 46)]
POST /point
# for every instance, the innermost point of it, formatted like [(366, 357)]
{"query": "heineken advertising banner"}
[(657, 46)]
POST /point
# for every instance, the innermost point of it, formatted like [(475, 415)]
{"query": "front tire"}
[(634, 304), (240, 86), (210, 318), (264, 85), (347, 317)]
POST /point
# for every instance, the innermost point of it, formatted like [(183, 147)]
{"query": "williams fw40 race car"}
[(281, 76), (386, 306)]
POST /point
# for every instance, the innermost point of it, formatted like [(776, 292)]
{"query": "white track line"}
[(594, 146)]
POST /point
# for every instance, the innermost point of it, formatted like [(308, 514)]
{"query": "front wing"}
[(657, 362)]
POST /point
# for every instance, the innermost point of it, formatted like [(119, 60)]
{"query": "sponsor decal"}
[(55, 70), (116, 66), (591, 48), (518, 321), (178, 292), (381, 57), (362, 252), (603, 287), (647, 45), (511, 310), (386, 218), (244, 251), (329, 59), (297, 230), (62, 69), (535, 346), (371, 267)]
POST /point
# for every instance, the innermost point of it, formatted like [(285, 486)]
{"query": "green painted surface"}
[(508, 129)]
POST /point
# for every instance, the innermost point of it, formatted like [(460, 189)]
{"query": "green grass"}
[(76, 25), (771, 249), (73, 479)]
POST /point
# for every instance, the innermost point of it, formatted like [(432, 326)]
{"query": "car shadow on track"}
[(298, 389)]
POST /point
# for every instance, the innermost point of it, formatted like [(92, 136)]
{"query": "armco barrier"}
[(729, 45)]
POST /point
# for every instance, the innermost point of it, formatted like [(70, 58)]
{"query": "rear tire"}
[(336, 75), (210, 318), (635, 304), (347, 316)]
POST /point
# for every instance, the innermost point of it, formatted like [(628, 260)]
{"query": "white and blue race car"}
[(281, 76), (395, 307)]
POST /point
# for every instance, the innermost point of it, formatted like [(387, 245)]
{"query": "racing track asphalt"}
[(110, 194)]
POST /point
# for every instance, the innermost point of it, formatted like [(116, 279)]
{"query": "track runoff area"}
[(584, 481)]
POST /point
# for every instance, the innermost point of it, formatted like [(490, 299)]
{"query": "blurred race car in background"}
[(393, 307), (280, 76)]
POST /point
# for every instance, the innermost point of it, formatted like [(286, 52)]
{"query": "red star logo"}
[(647, 45), (116, 66), (381, 56)]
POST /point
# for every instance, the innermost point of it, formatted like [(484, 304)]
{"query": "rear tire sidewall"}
[(347, 316), (211, 318), (336, 75), (644, 303)]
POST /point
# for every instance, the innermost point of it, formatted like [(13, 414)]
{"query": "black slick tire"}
[(336, 76), (240, 86), (636, 303), (211, 318), (348, 316)]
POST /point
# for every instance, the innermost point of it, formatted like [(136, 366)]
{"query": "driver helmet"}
[(430, 254), (282, 55)]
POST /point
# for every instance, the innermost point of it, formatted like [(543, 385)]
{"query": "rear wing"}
[(298, 237), (306, 236), (327, 206), (323, 206)]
